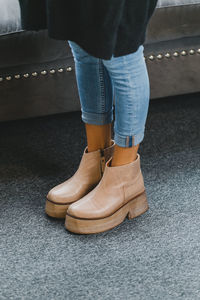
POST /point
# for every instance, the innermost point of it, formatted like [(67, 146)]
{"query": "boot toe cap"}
[(74, 210), (58, 196), (78, 210)]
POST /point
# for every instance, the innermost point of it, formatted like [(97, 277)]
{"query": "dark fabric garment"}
[(101, 27)]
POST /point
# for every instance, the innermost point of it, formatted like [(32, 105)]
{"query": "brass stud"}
[(176, 53), (26, 75), (43, 72), (167, 55), (183, 53), (52, 71), (8, 77), (34, 74), (1, 79), (160, 56), (60, 70), (69, 69), (17, 76), (151, 57), (198, 51), (191, 51)]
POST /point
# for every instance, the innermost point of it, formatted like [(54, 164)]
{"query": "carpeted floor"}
[(155, 256)]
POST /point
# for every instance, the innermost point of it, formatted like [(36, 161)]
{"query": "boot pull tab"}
[(102, 161)]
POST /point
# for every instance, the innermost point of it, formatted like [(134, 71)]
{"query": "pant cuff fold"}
[(128, 140), (97, 119)]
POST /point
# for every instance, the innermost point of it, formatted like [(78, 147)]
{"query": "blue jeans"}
[(126, 79)]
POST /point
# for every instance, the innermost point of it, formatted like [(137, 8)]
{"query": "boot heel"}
[(138, 206)]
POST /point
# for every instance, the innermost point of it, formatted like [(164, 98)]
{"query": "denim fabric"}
[(123, 78)]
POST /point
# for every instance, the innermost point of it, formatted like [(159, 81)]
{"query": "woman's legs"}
[(123, 156), (97, 113), (132, 92), (98, 136), (121, 190), (98, 80), (96, 97)]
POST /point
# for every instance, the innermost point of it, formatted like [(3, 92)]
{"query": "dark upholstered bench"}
[(37, 75)]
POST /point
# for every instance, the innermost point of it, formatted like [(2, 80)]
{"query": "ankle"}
[(103, 145), (124, 155), (98, 136)]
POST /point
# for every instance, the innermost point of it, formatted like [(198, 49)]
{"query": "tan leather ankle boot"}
[(119, 193), (87, 176)]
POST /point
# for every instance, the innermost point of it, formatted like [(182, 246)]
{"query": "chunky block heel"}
[(138, 206), (119, 194), (134, 208), (87, 176), (55, 210)]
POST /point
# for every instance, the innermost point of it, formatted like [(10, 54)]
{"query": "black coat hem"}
[(103, 49)]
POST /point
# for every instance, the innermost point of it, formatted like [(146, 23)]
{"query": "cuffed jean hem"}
[(129, 140), (97, 119)]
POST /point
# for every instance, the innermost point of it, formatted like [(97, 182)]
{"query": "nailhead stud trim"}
[(159, 56), (191, 51), (151, 57), (26, 75), (168, 55), (183, 52), (34, 74), (174, 54), (69, 69)]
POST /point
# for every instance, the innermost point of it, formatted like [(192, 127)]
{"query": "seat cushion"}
[(10, 16), (174, 19)]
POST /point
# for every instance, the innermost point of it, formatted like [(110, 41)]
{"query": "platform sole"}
[(134, 208), (56, 210)]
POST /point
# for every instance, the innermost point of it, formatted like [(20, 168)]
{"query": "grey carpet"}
[(155, 256)]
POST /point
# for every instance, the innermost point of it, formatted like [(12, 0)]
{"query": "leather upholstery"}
[(173, 27), (10, 17), (174, 19), (177, 18)]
